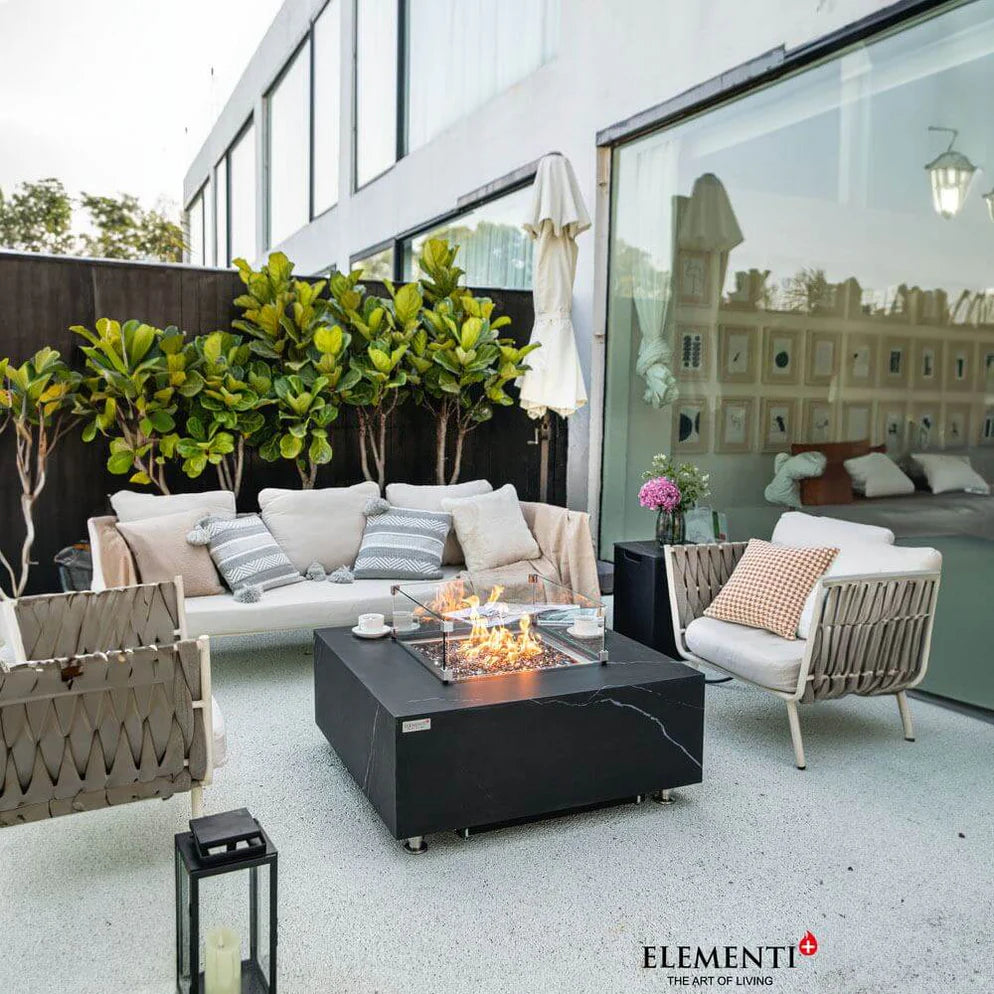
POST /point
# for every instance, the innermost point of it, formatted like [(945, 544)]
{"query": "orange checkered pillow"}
[(769, 586)]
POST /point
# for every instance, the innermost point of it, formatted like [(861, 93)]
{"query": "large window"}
[(241, 196), (460, 53), (221, 214), (493, 248), (377, 265), (376, 88), (196, 229), (780, 274), (288, 148), (326, 113)]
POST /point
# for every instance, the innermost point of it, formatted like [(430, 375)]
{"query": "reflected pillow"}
[(785, 487), (946, 474), (877, 475)]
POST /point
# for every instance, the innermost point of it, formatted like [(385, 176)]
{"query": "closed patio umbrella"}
[(555, 380)]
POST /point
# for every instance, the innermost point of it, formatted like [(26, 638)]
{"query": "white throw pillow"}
[(877, 475), (870, 557), (797, 528), (132, 506), (949, 473), (491, 529), (322, 526), (430, 499)]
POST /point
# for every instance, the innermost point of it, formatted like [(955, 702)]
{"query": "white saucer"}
[(359, 633), (584, 635)]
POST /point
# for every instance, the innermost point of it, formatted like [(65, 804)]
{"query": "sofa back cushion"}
[(161, 552), (323, 526), (403, 543), (492, 529), (132, 506), (430, 499), (768, 587), (798, 528)]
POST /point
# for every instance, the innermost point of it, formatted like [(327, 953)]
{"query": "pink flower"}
[(660, 494)]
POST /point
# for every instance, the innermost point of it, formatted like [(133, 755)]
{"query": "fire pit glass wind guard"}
[(460, 631)]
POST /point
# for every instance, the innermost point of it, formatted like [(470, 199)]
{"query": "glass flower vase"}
[(669, 528)]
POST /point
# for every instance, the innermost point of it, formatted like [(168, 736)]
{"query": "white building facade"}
[(360, 125)]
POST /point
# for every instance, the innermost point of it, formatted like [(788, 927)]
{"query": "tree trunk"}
[(441, 433), (457, 459), (308, 474), (381, 449), (229, 469), (364, 443)]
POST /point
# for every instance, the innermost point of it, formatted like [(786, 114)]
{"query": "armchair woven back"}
[(871, 635), (54, 626), (696, 574), (101, 729)]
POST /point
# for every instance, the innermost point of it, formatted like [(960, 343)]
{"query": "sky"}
[(115, 96)]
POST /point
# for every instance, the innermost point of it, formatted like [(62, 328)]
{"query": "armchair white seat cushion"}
[(751, 653)]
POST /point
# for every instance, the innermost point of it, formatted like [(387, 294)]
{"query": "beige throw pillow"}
[(323, 526), (162, 552), (430, 499), (491, 529), (769, 586)]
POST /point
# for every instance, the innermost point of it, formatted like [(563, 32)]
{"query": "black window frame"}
[(239, 135)]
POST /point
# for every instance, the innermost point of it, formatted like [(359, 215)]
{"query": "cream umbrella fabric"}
[(557, 216)]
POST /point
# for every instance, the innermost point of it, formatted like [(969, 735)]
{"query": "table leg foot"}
[(664, 797), (415, 844)]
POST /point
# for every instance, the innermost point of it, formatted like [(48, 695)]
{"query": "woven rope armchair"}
[(107, 702), (870, 635)]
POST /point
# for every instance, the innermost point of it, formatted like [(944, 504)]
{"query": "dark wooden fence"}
[(40, 297)]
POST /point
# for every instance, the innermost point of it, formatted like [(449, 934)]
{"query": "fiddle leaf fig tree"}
[(458, 364), (36, 402), (383, 330), (228, 412), (135, 376)]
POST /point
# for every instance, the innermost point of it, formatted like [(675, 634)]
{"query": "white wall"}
[(615, 59)]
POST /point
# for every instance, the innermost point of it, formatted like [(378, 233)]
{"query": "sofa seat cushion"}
[(309, 604), (751, 653)]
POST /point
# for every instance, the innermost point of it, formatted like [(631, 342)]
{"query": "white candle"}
[(222, 962)]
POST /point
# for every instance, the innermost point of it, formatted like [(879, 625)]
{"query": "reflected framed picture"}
[(895, 362), (959, 366), (777, 424), (857, 422), (819, 421), (781, 355), (734, 431), (693, 352), (923, 429), (737, 353), (693, 278), (987, 427), (690, 426), (860, 360), (892, 425), (927, 364), (823, 349), (956, 426), (985, 368)]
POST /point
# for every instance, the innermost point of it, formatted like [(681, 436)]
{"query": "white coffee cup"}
[(587, 625), (403, 621), (370, 623)]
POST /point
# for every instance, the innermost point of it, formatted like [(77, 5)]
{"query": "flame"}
[(490, 644)]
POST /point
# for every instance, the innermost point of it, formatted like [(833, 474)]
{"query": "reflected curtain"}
[(654, 180)]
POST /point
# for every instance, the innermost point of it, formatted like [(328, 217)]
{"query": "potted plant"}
[(672, 489)]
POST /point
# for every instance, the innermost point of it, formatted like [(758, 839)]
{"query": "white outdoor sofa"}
[(563, 537)]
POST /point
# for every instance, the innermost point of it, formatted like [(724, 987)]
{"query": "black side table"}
[(642, 596)]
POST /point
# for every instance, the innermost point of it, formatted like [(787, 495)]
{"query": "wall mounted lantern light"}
[(951, 173)]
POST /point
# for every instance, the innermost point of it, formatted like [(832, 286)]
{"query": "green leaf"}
[(290, 446), (319, 452), (140, 477), (120, 462)]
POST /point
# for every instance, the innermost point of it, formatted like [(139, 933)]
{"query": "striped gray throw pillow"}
[(245, 552), (403, 544)]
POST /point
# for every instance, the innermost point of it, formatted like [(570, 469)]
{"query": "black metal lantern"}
[(212, 860)]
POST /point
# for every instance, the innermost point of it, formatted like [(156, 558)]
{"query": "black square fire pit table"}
[(434, 757)]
